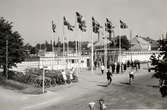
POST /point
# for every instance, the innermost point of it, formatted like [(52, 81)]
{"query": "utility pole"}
[(6, 72)]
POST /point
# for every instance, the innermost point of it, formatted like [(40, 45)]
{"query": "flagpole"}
[(53, 29), (114, 46), (92, 51), (105, 53), (131, 44), (79, 46), (76, 28), (52, 51), (63, 41), (119, 37), (67, 50), (65, 47), (76, 34)]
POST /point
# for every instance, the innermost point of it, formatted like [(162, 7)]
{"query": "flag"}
[(53, 26), (108, 26), (82, 26), (65, 21), (79, 17), (81, 22), (108, 21), (96, 26), (123, 25), (69, 26)]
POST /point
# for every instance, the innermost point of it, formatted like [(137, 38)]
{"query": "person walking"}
[(102, 104), (131, 75), (109, 77), (125, 66), (71, 74), (118, 67), (64, 76), (138, 64), (113, 67), (102, 69)]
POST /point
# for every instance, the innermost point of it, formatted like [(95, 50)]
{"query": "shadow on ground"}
[(103, 85), (153, 86), (125, 83)]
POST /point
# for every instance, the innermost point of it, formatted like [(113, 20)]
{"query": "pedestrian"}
[(92, 105), (109, 77), (102, 69), (64, 76), (128, 63), (118, 68), (95, 64), (113, 67), (135, 64), (122, 67), (131, 75), (138, 64), (132, 64), (163, 89), (71, 74), (149, 66), (102, 104), (125, 66)]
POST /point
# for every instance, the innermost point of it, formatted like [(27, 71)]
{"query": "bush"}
[(33, 76)]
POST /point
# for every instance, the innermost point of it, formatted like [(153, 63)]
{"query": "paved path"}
[(142, 94), (90, 87)]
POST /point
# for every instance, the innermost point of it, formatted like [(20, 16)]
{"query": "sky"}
[(32, 18)]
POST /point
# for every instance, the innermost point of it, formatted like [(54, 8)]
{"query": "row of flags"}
[(95, 24)]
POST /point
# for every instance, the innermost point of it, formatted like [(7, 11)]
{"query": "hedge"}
[(33, 76)]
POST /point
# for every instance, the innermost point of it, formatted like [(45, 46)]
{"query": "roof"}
[(102, 42), (139, 44)]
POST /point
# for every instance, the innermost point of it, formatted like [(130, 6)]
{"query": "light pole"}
[(43, 79)]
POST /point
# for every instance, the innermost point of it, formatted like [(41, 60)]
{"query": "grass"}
[(19, 87)]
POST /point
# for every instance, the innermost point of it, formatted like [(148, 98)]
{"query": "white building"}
[(53, 62)]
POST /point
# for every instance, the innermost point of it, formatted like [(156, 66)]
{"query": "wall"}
[(143, 56), (53, 63)]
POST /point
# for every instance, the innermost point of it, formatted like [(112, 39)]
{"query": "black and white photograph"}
[(83, 54)]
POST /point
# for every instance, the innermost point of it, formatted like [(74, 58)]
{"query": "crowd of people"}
[(69, 75), (120, 68)]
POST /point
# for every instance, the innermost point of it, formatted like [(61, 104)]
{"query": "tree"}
[(161, 64), (34, 51), (124, 42), (11, 46)]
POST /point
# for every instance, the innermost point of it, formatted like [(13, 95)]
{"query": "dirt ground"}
[(142, 94)]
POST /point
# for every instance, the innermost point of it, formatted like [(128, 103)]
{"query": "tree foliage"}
[(161, 64), (15, 45), (124, 42)]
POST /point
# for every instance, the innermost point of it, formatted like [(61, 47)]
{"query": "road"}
[(142, 94)]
